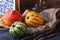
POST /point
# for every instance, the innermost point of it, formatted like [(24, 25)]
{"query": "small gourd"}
[(11, 16), (17, 29), (34, 19)]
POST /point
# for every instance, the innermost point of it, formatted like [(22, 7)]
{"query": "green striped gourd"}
[(17, 29)]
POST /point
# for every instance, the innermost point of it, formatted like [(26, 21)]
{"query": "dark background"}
[(29, 4)]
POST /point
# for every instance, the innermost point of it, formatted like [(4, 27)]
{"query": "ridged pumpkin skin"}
[(34, 19), (17, 29), (11, 16)]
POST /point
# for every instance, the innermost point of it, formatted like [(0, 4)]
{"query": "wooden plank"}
[(17, 5)]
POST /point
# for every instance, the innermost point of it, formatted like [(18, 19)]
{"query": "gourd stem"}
[(13, 25)]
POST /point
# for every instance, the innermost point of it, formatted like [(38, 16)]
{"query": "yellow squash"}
[(34, 19)]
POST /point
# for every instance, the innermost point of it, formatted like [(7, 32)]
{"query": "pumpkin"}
[(17, 29), (34, 19), (11, 16)]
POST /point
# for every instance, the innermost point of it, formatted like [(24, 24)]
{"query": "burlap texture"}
[(50, 16)]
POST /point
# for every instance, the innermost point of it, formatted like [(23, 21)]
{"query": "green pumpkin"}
[(17, 29)]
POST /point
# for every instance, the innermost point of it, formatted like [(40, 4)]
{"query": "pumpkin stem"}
[(27, 17)]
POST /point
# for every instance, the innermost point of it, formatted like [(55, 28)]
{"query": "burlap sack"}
[(51, 17)]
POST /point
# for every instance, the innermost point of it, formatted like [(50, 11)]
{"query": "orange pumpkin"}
[(11, 16)]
